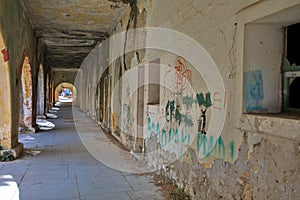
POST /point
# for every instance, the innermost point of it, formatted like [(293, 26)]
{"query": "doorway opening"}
[(40, 92), (25, 112), (65, 93)]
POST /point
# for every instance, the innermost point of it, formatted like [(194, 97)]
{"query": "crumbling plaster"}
[(20, 40), (257, 156)]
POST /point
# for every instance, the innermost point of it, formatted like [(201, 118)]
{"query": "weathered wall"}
[(87, 82), (256, 164), (20, 41), (68, 76), (253, 155)]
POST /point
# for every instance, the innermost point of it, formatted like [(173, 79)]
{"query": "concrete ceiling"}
[(70, 29)]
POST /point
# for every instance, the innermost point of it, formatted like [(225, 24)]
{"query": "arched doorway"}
[(5, 99), (25, 113), (40, 92), (65, 92)]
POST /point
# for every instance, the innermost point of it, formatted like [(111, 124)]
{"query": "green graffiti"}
[(231, 145), (188, 101), (206, 102), (221, 148), (170, 108), (157, 129), (176, 138), (185, 137), (149, 124), (172, 112), (187, 120), (210, 143), (163, 138), (171, 135), (201, 142), (205, 143), (217, 148), (178, 116)]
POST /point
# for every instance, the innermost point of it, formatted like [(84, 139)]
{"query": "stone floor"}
[(56, 165)]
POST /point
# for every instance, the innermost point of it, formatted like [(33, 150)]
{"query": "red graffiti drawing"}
[(219, 102), (183, 74), (5, 55)]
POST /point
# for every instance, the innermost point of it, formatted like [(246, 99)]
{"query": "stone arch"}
[(5, 99), (40, 92), (25, 112), (59, 87)]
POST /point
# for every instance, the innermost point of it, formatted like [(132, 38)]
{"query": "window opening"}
[(291, 70)]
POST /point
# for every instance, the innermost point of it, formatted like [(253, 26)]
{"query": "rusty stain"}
[(246, 175), (114, 119)]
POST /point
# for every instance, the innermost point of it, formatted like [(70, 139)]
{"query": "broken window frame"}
[(289, 72)]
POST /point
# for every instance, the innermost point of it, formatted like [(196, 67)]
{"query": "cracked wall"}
[(252, 162), (255, 156)]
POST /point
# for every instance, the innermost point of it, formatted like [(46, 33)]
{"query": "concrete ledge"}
[(272, 124)]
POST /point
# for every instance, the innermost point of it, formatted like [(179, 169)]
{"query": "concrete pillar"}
[(8, 133)]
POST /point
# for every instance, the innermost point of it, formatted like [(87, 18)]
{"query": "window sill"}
[(280, 125)]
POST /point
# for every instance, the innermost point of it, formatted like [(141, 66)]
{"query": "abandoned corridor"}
[(204, 92)]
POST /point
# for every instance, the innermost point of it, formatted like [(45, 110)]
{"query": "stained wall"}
[(255, 153), (20, 41)]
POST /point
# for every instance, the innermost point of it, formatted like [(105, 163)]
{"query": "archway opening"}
[(65, 92), (40, 92), (25, 112)]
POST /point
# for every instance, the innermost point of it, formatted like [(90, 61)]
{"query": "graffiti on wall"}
[(127, 121), (186, 115), (177, 141), (182, 74), (5, 55), (173, 113), (253, 90)]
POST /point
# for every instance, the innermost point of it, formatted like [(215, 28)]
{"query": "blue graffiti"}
[(253, 90)]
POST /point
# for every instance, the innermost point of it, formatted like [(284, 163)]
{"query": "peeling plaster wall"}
[(20, 40), (255, 156), (26, 97)]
